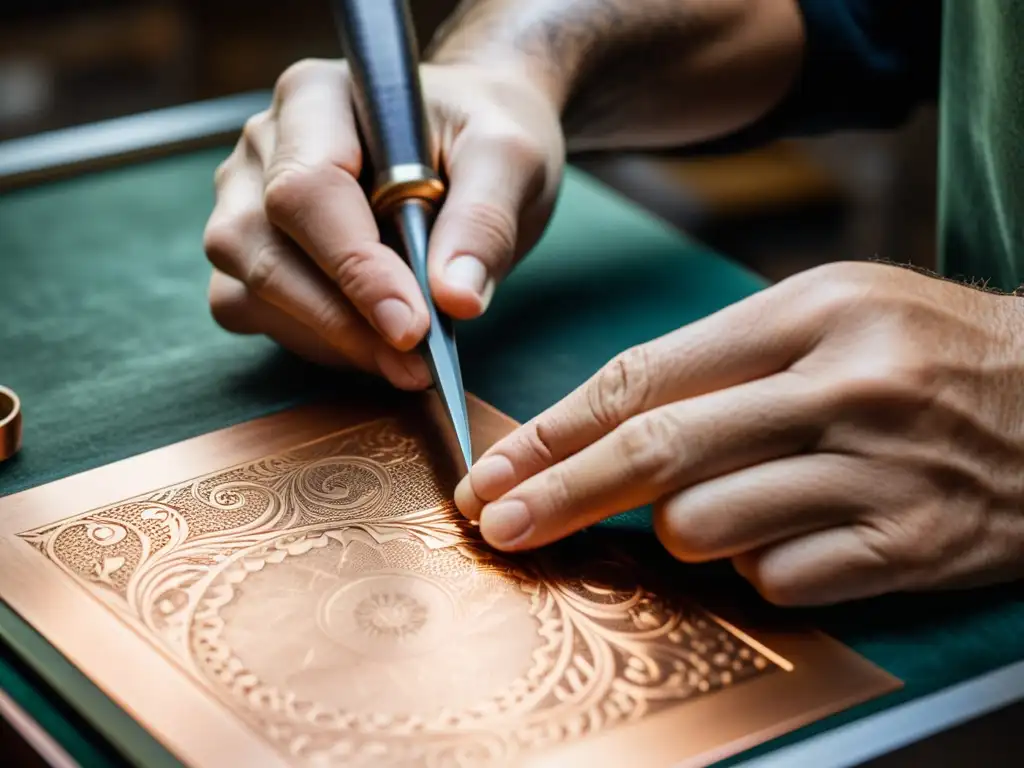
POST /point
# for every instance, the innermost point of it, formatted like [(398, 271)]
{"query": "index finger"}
[(652, 455), (312, 193), (730, 347)]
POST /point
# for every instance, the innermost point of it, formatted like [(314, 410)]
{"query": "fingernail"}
[(470, 274), (487, 480), (403, 370), (417, 369), (492, 477), (466, 500), (505, 522), (393, 318)]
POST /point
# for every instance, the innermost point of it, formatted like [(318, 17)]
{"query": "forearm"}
[(638, 73)]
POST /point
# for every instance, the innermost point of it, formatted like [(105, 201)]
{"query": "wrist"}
[(494, 35), (635, 72)]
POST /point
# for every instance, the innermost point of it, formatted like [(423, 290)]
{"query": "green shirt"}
[(869, 63), (981, 158)]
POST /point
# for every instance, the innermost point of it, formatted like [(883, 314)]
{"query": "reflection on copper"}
[(326, 595)]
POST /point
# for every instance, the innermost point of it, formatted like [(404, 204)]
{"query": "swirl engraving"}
[(342, 484), (332, 598)]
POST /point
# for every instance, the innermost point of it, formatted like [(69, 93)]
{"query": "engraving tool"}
[(378, 42)]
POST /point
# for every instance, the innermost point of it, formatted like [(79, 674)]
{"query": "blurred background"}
[(780, 210)]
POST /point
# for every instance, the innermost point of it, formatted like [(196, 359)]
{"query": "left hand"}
[(853, 430)]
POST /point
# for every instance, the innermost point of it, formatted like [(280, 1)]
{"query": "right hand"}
[(295, 249)]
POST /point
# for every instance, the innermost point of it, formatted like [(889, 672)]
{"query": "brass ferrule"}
[(403, 182)]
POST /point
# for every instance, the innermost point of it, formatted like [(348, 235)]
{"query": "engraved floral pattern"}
[(332, 599), (390, 613)]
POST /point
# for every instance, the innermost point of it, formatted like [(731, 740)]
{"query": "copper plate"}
[(297, 590)]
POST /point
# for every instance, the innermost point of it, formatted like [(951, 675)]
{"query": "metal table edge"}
[(884, 732)]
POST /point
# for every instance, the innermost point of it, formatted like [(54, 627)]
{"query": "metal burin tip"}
[(458, 418), (412, 221)]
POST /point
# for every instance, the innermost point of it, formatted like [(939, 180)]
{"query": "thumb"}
[(475, 240)]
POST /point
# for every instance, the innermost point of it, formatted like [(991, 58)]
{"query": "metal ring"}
[(10, 423), (404, 182)]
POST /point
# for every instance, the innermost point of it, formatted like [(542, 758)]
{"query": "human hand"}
[(854, 430), (295, 249)]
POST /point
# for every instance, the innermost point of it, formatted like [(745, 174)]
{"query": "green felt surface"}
[(105, 333)]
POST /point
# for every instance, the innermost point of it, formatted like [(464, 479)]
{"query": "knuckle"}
[(255, 126), (891, 542), (229, 314), (222, 243), (224, 169), (912, 540), (227, 237), (332, 321), (540, 441), (883, 380), (286, 189), (495, 225), (229, 167), (647, 445), (519, 147), (297, 75), (230, 307), (558, 490), (827, 291), (621, 388), (291, 185), (357, 272), (838, 275), (262, 274)]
